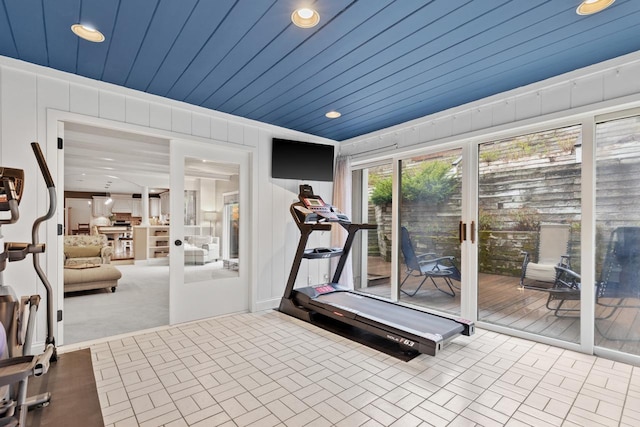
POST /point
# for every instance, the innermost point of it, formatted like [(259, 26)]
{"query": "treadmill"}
[(414, 330)]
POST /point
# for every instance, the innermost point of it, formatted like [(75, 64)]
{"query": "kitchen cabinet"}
[(99, 206), (154, 207), (136, 208)]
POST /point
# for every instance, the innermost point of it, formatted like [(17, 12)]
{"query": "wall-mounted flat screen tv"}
[(301, 160)]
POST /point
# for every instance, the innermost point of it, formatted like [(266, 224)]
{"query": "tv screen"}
[(301, 160)]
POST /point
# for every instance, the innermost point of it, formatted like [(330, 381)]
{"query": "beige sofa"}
[(87, 264), (87, 249)]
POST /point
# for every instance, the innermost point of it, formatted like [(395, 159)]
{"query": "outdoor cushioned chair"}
[(553, 244), (427, 265), (619, 283)]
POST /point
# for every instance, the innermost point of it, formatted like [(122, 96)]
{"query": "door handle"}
[(462, 232), (473, 232), (178, 242)]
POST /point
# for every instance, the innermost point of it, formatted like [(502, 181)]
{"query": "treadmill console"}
[(316, 205)]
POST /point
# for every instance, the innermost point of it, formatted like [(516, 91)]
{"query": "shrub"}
[(382, 191), (430, 182)]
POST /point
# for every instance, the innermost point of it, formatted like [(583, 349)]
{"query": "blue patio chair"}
[(427, 265), (619, 283)]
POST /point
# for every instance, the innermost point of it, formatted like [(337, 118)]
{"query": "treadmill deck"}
[(413, 321)]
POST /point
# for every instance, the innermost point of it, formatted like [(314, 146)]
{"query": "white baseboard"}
[(267, 304)]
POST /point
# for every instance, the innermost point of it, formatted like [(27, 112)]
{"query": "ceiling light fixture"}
[(333, 114), (305, 17), (589, 7), (87, 33)]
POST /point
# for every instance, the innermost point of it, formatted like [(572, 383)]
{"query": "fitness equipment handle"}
[(42, 164)]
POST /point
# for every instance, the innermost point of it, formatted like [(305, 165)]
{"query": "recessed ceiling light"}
[(333, 114), (305, 17), (87, 33), (588, 7)]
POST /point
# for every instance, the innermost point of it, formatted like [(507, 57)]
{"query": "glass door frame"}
[(185, 304), (469, 251), (589, 154), (468, 285), (587, 234)]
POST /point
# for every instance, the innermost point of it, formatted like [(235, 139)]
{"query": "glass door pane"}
[(529, 213), (372, 248), (617, 308), (430, 214), (208, 254)]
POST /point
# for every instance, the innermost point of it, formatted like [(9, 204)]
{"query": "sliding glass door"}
[(372, 249), (529, 213), (428, 217), (430, 214), (617, 266)]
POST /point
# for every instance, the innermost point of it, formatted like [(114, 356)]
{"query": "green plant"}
[(429, 182), (382, 191), (489, 156), (486, 220), (566, 144), (526, 219)]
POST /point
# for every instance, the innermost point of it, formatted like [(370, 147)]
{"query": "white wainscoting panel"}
[(555, 98), (84, 100), (504, 112), (461, 122), (236, 133), (622, 81), (160, 116), (219, 129), (137, 111), (481, 117), (112, 106), (251, 136), (181, 121), (527, 105), (200, 125), (587, 90)]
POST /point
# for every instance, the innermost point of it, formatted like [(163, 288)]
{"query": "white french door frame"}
[(200, 300), (55, 124)]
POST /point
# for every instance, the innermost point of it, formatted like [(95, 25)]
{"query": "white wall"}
[(79, 210), (607, 86), (30, 93)]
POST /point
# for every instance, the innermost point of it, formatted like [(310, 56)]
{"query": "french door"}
[(207, 279)]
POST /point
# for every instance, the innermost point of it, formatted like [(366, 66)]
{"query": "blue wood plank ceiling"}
[(378, 62)]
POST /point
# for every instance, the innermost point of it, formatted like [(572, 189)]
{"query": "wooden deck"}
[(502, 302)]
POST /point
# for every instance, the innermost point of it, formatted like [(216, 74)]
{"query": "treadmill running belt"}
[(399, 317)]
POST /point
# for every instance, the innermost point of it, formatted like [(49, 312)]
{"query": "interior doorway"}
[(107, 173), (116, 182)]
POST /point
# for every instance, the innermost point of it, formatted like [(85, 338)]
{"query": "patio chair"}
[(427, 265), (566, 287), (553, 245), (619, 283)]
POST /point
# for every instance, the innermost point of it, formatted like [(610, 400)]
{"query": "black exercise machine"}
[(412, 329), (18, 316)]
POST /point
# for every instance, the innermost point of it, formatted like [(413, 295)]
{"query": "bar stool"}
[(127, 242)]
